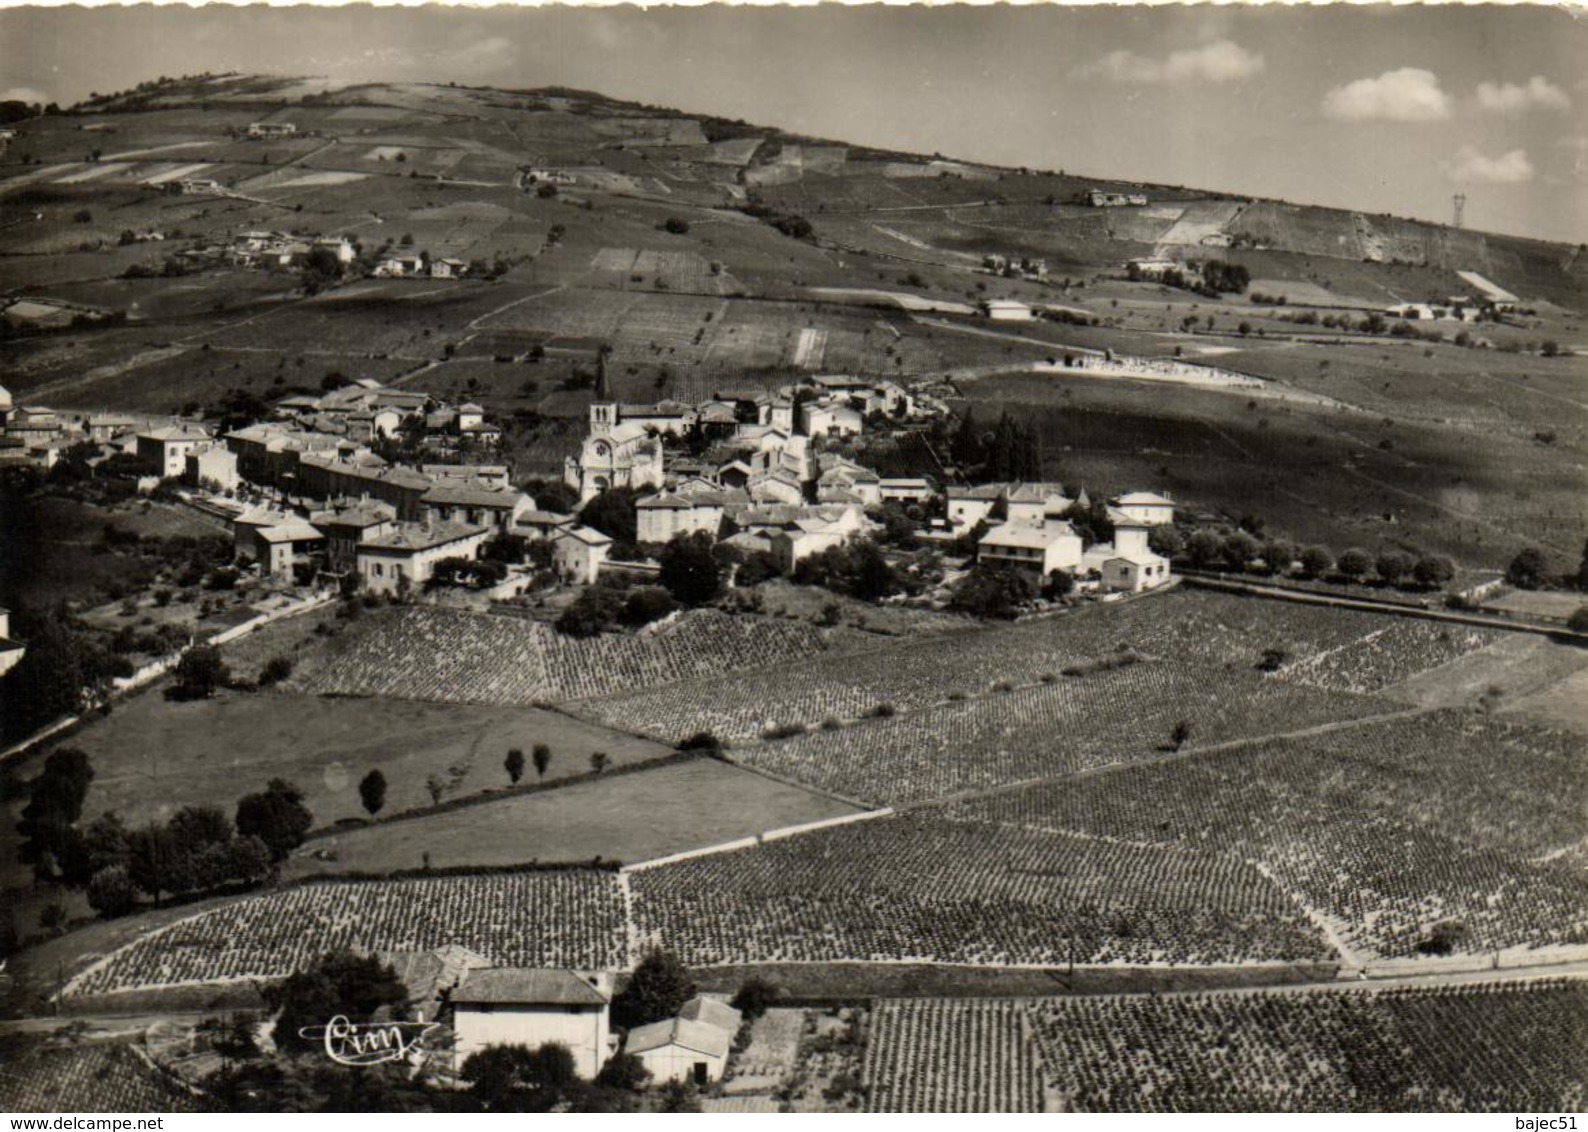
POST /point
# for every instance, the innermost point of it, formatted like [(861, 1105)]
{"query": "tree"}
[(755, 996), (1529, 570), (1058, 584), (599, 761), (992, 593), (514, 765), (195, 829), (612, 513), (152, 860), (1433, 570), (591, 613), (1316, 561), (541, 757), (275, 670), (200, 671), (658, 989), (1278, 555), (1203, 549), (111, 892), (677, 225), (48, 822), (1580, 579), (1164, 539), (1354, 564), (690, 571), (1393, 566), (507, 1078), (372, 791), (1180, 733), (277, 817), (1237, 550), (646, 604), (1578, 621), (623, 1071), (339, 983)]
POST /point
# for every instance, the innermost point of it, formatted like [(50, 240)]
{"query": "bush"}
[(755, 996), (276, 669), (1578, 622)]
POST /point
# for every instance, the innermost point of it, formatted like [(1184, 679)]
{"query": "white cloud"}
[(1512, 98), (1220, 62), (23, 94), (1472, 167), (1409, 94)]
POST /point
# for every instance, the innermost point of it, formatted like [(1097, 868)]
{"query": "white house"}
[(215, 467), (1033, 504), (1038, 549), (1146, 507), (406, 555), (271, 129), (691, 1047), (528, 1007), (904, 489), (968, 506), (164, 451), (1008, 310), (1126, 564), (829, 418), (477, 504), (578, 553), (662, 517)]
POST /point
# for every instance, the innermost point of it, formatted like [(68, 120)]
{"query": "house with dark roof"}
[(530, 1007), (405, 556)]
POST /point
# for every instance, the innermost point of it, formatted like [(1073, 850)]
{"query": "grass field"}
[(152, 757), (690, 804)]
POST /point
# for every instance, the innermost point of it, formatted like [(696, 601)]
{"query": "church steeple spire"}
[(603, 388)]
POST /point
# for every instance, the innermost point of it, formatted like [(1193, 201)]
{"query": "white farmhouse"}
[(1031, 549), (406, 556), (527, 1007)]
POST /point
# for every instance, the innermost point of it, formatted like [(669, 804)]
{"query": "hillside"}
[(710, 253)]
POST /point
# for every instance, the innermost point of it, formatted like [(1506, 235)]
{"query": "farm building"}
[(1151, 268), (691, 1047), (1007, 310), (274, 539), (579, 552), (1040, 549), (1493, 294), (406, 556), (528, 1007), (550, 177), (164, 451), (272, 129)]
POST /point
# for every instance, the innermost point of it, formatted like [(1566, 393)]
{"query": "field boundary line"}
[(1367, 605), (757, 839), (1351, 963)]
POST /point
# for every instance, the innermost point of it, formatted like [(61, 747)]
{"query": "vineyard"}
[(1390, 828), (106, 1077), (1336, 650), (1496, 1048), (1073, 724), (924, 889), (567, 918), (454, 657), (950, 1055)]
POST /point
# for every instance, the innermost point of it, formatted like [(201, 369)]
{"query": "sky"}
[(1379, 109)]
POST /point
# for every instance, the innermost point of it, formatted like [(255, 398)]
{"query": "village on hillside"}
[(518, 600)]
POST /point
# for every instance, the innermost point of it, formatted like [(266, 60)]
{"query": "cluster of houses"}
[(280, 249), (1099, 198), (419, 266), (1033, 537), (1013, 265)]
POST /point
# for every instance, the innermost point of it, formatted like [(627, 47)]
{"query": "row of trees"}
[(197, 849), (1240, 552)]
